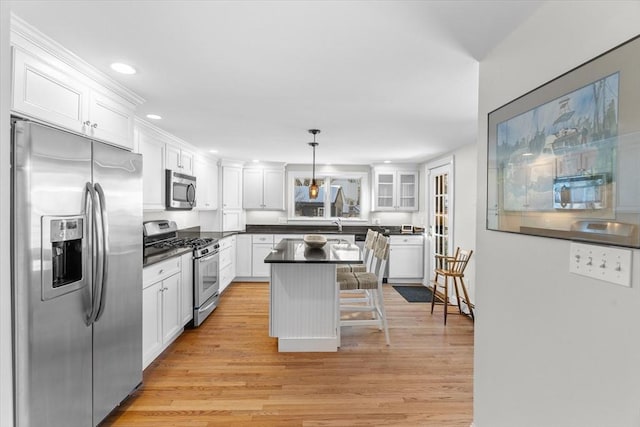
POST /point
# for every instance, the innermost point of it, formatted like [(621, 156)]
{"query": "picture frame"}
[(563, 160)]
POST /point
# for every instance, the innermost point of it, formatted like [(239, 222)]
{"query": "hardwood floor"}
[(228, 372)]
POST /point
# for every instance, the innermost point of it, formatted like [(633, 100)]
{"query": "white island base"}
[(303, 309)]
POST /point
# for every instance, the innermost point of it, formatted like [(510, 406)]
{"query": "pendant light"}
[(313, 188)]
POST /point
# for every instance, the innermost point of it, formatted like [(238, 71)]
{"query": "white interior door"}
[(440, 207)]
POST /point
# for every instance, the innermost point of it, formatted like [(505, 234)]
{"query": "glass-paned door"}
[(385, 183), (407, 190), (440, 197)]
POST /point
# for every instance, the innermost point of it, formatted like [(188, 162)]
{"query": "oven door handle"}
[(208, 306), (208, 257)]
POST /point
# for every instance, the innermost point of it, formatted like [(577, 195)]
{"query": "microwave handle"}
[(191, 194)]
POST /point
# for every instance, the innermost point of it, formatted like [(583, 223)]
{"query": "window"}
[(339, 196)]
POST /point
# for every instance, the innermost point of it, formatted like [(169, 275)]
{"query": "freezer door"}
[(51, 296), (117, 338)]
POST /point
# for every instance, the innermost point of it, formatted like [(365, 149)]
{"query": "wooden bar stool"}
[(451, 267)]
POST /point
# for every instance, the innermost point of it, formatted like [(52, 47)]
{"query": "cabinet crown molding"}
[(29, 38)]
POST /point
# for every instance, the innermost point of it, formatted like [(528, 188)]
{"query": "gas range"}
[(161, 239), (162, 236)]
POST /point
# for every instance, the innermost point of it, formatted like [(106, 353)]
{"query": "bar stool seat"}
[(369, 243)]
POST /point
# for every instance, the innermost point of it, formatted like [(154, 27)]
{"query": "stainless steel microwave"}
[(181, 191)]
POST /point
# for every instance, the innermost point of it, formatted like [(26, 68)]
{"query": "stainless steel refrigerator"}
[(76, 276)]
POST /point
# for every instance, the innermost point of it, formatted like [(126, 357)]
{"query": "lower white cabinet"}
[(227, 262), (262, 244), (252, 249), (161, 307), (406, 258), (243, 255), (187, 288)]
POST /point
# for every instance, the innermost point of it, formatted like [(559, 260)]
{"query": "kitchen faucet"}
[(338, 222)]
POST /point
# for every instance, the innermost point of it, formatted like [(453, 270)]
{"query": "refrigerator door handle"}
[(105, 248), (96, 252)]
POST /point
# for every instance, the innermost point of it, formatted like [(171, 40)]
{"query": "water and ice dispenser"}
[(63, 253), (66, 251)]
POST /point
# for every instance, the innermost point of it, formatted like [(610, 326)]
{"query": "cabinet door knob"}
[(95, 125), (87, 123)]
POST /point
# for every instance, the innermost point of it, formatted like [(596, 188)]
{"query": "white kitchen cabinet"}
[(179, 160), (278, 237), (231, 187), (243, 255), (186, 311), (153, 170), (48, 89), (232, 220), (263, 189), (161, 307), (227, 261), (110, 120), (151, 322), (406, 258), (262, 244), (232, 213), (395, 190), (206, 172)]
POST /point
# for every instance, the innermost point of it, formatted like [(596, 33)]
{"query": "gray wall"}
[(551, 348)]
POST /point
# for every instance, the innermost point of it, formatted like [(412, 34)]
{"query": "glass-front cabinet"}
[(395, 190)]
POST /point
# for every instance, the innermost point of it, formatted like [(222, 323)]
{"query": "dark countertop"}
[(158, 257), (321, 229), (359, 230), (295, 251)]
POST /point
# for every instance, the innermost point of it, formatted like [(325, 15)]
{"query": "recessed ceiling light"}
[(256, 161), (123, 68), (213, 151), (387, 161), (153, 117)]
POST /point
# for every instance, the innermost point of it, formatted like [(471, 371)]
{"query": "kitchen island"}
[(304, 306)]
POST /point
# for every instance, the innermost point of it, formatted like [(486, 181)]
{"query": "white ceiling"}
[(383, 80)]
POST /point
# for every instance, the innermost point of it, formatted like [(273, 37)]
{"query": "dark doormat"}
[(414, 293)]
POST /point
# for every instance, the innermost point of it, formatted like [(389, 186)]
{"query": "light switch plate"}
[(611, 264)]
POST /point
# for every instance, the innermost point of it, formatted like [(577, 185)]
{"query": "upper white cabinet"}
[(232, 213), (395, 190), (206, 172), (231, 187), (263, 189), (160, 151), (179, 160), (152, 149), (74, 97)]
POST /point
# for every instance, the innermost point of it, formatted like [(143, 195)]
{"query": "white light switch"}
[(607, 263)]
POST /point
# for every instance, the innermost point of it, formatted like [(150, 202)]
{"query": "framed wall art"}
[(564, 159)]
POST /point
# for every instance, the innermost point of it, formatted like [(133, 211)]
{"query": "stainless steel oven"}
[(180, 191), (206, 282), (161, 240)]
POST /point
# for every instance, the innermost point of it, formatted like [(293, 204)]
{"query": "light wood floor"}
[(228, 372)]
